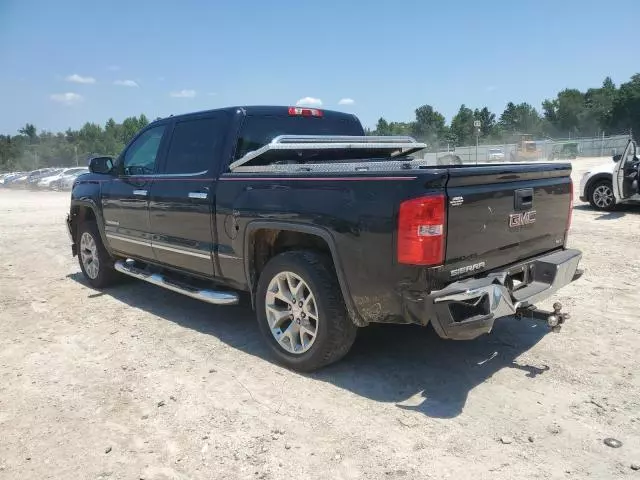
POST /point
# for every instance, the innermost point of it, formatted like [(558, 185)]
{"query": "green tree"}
[(599, 103), (429, 124), (521, 118), (30, 131), (625, 111), (487, 121), (462, 126), (382, 127)]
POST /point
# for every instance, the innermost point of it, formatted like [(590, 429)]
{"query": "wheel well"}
[(80, 214), (596, 179), (266, 243)]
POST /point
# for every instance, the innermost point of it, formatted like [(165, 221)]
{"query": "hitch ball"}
[(553, 320)]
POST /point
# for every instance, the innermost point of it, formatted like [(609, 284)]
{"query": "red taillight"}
[(305, 112), (421, 224), (570, 204)]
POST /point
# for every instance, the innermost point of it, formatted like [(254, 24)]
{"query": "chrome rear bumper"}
[(468, 308)]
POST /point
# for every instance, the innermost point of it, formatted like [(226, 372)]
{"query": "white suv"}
[(610, 184)]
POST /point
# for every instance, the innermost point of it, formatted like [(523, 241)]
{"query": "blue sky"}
[(67, 62)]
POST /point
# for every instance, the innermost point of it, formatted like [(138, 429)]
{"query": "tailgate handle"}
[(523, 199)]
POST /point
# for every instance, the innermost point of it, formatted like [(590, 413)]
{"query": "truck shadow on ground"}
[(403, 364), (619, 212)]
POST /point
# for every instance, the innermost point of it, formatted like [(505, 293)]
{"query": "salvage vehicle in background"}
[(66, 181), (495, 155), (611, 184), (564, 151), (326, 229), (55, 182), (526, 149), (35, 176)]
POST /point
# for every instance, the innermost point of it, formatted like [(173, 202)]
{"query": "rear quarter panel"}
[(359, 214)]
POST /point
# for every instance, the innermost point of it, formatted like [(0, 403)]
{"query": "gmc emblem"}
[(521, 219)]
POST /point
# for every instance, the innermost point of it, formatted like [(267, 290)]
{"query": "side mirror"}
[(616, 158), (102, 165)]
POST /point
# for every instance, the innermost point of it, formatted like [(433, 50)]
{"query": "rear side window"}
[(195, 145), (260, 130)]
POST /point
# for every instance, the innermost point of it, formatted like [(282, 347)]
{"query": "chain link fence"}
[(545, 150)]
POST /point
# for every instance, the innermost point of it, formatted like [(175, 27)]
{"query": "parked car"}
[(47, 181), (495, 154), (65, 182), (35, 176), (16, 180), (3, 176), (610, 184), (326, 229), (564, 151)]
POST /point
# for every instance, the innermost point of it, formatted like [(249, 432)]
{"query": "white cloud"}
[(346, 101), (113, 68), (183, 94), (75, 78), (68, 98), (309, 102), (126, 83)]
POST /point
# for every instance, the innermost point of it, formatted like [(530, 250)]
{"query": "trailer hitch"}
[(554, 319)]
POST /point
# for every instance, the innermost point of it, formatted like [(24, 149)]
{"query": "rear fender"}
[(320, 232)]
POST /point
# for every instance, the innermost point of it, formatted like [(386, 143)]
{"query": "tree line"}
[(572, 113), (30, 150)]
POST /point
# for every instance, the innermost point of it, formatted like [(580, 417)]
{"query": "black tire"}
[(335, 330), (592, 192), (106, 274)]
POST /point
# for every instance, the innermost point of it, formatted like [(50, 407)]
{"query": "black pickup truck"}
[(326, 229)]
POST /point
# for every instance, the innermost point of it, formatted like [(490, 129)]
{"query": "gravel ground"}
[(137, 382)]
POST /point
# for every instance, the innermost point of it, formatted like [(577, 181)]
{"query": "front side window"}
[(140, 158), (194, 145)]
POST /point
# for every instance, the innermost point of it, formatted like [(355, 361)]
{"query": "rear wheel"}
[(601, 196), (95, 262), (301, 312)]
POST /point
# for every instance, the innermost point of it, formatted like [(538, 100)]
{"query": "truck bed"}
[(357, 203)]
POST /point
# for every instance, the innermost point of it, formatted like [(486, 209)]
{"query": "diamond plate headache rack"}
[(398, 145)]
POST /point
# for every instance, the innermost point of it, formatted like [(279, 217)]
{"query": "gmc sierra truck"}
[(325, 228)]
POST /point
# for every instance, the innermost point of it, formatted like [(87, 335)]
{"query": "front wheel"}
[(95, 262), (601, 196), (301, 312)]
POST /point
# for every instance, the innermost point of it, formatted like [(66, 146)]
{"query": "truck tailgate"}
[(504, 214)]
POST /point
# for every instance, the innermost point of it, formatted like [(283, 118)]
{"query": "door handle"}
[(198, 195), (140, 193)]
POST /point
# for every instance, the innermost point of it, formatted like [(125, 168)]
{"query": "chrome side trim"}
[(227, 256), (140, 193), (209, 296), (169, 175), (123, 238), (198, 195), (168, 248)]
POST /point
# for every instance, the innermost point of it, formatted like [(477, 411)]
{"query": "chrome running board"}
[(209, 296)]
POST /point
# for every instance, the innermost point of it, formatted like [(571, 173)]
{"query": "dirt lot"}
[(137, 382)]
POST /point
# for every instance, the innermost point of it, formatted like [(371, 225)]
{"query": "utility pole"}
[(477, 125), (75, 151)]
